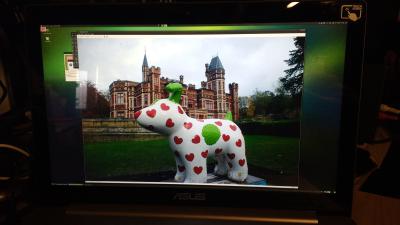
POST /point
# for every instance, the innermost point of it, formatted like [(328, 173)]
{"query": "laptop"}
[(198, 112)]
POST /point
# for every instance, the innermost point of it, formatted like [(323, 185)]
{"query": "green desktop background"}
[(324, 61)]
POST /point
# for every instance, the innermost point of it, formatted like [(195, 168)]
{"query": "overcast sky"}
[(252, 62)]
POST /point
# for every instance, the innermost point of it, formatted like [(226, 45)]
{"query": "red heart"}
[(189, 157), (187, 125), (164, 107), (137, 114), (169, 123), (200, 120), (219, 123), (218, 150), (180, 110), (230, 165), (151, 113), (178, 140), (176, 153), (239, 143), (204, 154), (196, 139), (197, 169), (231, 155), (181, 168), (233, 127), (226, 137), (241, 162)]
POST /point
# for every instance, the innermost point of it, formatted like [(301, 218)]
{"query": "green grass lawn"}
[(110, 159), (267, 122), (273, 152)]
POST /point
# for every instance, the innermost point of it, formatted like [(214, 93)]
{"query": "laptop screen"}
[(245, 106)]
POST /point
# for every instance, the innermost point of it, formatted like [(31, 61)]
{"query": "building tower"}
[(234, 91), (215, 74), (145, 69), (154, 81), (151, 87)]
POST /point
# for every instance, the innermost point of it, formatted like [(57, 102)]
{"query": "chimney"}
[(181, 79)]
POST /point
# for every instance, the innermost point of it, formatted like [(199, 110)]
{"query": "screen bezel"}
[(191, 13)]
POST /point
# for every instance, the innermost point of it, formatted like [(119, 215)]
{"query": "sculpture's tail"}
[(228, 116)]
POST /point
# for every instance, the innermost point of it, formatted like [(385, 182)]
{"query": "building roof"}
[(145, 61), (215, 64), (124, 81)]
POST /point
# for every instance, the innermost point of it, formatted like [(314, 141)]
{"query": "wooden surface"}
[(371, 209)]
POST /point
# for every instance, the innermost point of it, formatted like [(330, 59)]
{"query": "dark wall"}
[(380, 84)]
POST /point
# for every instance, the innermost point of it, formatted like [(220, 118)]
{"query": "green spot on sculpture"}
[(211, 134)]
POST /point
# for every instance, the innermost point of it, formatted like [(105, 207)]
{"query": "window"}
[(120, 98), (209, 105), (145, 100), (120, 114), (131, 105), (185, 101), (137, 102)]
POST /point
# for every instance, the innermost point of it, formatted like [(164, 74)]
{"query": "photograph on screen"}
[(198, 108)]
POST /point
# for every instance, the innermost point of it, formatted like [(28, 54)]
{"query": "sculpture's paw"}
[(220, 170), (237, 175), (179, 177)]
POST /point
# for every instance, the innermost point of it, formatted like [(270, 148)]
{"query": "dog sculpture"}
[(192, 141)]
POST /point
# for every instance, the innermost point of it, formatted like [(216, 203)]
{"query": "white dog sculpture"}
[(192, 141)]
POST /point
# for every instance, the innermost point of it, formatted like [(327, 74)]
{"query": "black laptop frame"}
[(192, 12)]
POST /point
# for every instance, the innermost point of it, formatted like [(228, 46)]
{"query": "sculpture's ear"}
[(175, 92)]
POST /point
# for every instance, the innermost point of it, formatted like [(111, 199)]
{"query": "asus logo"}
[(190, 196)]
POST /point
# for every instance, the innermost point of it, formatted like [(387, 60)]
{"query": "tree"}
[(251, 110), (292, 82), (106, 94), (97, 105), (262, 102)]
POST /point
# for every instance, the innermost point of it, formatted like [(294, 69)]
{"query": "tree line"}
[(97, 103), (285, 101)]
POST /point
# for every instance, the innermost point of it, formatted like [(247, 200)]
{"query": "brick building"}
[(208, 101), (122, 99)]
